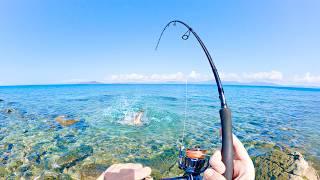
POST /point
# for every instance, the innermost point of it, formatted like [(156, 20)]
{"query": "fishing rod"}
[(193, 161)]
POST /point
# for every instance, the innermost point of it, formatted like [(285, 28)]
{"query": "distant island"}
[(204, 83)]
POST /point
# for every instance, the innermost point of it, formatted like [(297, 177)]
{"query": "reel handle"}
[(227, 142)]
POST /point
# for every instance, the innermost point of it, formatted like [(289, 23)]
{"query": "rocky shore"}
[(284, 164)]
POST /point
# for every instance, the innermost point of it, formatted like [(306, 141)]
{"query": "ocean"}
[(33, 143)]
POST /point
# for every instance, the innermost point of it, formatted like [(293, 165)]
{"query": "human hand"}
[(128, 171), (243, 168)]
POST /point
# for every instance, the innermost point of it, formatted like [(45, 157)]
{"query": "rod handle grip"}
[(227, 141)]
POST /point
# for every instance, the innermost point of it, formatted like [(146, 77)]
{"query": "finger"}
[(211, 174), (142, 173), (240, 152), (216, 163)]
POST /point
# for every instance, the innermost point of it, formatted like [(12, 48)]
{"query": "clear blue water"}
[(283, 116)]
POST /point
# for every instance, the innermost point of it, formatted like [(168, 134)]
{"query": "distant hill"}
[(90, 82)]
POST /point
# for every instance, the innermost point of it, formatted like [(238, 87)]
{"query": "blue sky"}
[(44, 42)]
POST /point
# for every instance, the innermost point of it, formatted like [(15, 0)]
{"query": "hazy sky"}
[(113, 41)]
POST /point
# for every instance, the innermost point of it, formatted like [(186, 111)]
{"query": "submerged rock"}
[(14, 165), (62, 120), (70, 158), (3, 172), (55, 176), (1, 100), (163, 165), (9, 111), (92, 171), (284, 164)]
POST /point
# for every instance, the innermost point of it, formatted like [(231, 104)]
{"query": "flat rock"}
[(62, 120), (286, 164), (70, 158)]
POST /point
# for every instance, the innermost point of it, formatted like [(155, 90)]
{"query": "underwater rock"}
[(5, 152), (1, 100), (92, 171), (286, 164), (163, 165), (8, 111), (35, 157), (14, 165), (25, 171), (70, 158), (9, 147), (62, 120), (3, 172), (55, 176), (137, 118)]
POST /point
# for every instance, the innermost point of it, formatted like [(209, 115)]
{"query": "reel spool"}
[(194, 162)]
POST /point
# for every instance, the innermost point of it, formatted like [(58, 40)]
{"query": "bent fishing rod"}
[(194, 162)]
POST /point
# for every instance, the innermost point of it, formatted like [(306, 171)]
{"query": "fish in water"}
[(137, 118), (65, 122)]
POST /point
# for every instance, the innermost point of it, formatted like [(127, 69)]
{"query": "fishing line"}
[(185, 114)]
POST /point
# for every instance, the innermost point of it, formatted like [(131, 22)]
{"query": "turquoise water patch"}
[(33, 143)]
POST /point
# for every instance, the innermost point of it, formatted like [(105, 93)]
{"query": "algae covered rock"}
[(3, 172), (92, 171), (14, 165), (75, 155), (55, 176), (283, 164), (163, 165)]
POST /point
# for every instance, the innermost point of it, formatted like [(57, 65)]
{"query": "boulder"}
[(62, 120), (75, 155), (283, 164)]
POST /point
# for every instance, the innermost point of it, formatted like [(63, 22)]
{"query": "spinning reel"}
[(195, 161)]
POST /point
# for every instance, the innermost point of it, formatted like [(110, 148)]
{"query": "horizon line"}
[(173, 83)]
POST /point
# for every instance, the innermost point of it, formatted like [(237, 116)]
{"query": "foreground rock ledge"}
[(286, 164)]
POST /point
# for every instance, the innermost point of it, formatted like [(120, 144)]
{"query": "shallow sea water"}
[(33, 143)]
